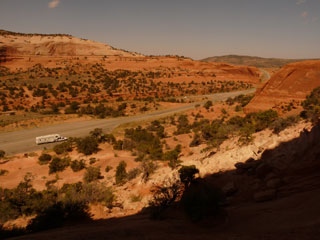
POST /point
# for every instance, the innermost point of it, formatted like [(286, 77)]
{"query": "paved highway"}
[(24, 140)]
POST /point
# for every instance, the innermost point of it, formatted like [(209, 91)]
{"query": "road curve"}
[(24, 140)]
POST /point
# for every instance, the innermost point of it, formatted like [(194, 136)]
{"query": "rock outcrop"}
[(291, 84)]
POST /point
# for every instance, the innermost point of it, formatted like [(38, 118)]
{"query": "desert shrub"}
[(3, 172), (93, 192), (53, 207), (282, 123), (73, 108), (187, 174), (311, 106), (92, 174), (164, 196), (63, 147), (172, 156), (145, 142), (133, 173), (77, 165), (92, 161), (201, 199), (121, 173), (118, 145), (110, 138), (148, 168), (196, 141), (158, 128), (183, 125), (108, 169), (2, 154), (208, 104), (58, 164), (98, 134), (87, 145), (243, 100), (44, 158)]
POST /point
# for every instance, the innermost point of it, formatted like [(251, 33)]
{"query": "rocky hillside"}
[(19, 44), (290, 85), (252, 61)]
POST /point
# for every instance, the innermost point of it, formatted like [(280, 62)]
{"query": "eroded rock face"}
[(290, 85), (55, 45)]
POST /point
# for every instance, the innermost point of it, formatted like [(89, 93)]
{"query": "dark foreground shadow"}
[(274, 197)]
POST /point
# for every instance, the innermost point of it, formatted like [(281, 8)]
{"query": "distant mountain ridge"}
[(259, 62), (34, 44)]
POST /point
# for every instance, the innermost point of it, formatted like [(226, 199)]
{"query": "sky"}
[(191, 28)]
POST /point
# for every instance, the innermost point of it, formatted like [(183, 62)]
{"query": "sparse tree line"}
[(49, 86)]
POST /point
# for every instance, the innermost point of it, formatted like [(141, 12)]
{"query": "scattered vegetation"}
[(311, 106), (121, 173), (58, 164), (52, 207), (92, 174), (77, 165), (87, 145), (44, 158)]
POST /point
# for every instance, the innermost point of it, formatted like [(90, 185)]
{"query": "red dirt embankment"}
[(292, 83)]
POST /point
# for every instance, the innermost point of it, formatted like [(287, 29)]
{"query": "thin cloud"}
[(54, 3), (304, 14), (299, 2)]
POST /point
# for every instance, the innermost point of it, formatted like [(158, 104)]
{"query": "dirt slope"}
[(292, 83)]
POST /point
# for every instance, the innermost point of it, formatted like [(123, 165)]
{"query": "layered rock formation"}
[(292, 83)]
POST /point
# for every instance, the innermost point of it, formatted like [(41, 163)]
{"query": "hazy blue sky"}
[(194, 28)]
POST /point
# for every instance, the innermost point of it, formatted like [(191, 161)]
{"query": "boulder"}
[(266, 195), (274, 183), (262, 170), (229, 189)]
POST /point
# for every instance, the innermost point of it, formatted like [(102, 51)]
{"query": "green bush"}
[(282, 123), (77, 165), (311, 106), (87, 145), (52, 207), (148, 168), (63, 147), (208, 105), (2, 154), (183, 125), (92, 174), (145, 142), (108, 169), (172, 156), (58, 164), (44, 158), (121, 173)]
